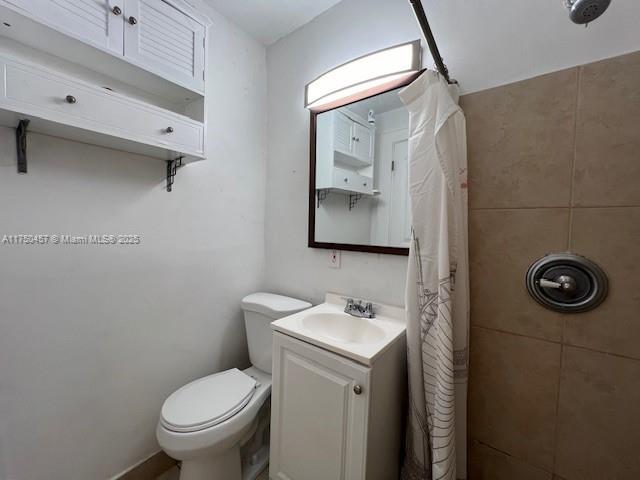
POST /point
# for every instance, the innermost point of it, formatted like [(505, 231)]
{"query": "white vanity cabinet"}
[(333, 418)]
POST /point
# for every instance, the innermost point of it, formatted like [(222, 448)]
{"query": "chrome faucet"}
[(358, 309)]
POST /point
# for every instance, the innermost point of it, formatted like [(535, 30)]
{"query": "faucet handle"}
[(368, 310)]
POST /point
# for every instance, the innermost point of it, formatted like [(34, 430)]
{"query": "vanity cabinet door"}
[(165, 41), (320, 405), (97, 22)]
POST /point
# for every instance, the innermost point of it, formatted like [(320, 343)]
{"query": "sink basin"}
[(344, 328), (360, 339)]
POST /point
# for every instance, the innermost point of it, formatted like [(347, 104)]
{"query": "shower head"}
[(585, 11)]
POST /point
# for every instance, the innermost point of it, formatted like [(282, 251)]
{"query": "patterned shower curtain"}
[(437, 294)]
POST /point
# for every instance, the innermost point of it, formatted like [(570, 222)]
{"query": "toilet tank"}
[(260, 309)]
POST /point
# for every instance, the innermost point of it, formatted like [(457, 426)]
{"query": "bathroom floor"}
[(174, 474)]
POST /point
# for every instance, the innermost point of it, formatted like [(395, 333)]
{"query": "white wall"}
[(485, 43), (335, 223), (93, 338)]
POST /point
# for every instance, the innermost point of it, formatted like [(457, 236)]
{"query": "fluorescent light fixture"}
[(363, 73)]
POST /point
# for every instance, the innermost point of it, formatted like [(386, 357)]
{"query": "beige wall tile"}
[(598, 417), (611, 238), (513, 394), (607, 167), (521, 141), (487, 463), (503, 244)]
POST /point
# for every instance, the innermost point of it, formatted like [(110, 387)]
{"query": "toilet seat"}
[(207, 401)]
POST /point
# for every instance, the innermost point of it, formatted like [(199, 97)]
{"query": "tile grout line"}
[(489, 209), (573, 160), (556, 426), (557, 413), (557, 342), (511, 455)]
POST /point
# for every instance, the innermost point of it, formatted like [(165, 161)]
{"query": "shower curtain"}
[(437, 294)]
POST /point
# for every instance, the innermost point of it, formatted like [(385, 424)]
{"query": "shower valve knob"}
[(563, 282)]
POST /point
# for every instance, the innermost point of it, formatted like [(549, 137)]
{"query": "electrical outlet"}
[(334, 259)]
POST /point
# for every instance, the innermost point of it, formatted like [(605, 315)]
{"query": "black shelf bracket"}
[(354, 199), (21, 145), (322, 195), (172, 168)]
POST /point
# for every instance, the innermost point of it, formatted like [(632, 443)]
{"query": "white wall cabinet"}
[(344, 153), (164, 37), (165, 40), (333, 418), (363, 139), (93, 21), (352, 137), (126, 74), (54, 103)]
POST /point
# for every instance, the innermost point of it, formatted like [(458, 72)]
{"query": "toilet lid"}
[(207, 401)]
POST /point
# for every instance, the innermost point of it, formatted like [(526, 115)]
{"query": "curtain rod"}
[(431, 41)]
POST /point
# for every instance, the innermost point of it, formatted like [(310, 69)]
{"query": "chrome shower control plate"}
[(567, 283)]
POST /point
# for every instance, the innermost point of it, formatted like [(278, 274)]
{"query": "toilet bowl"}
[(213, 422)]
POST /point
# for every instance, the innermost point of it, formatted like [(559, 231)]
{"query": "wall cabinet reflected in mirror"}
[(359, 193)]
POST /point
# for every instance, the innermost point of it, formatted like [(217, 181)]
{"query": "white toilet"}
[(218, 425)]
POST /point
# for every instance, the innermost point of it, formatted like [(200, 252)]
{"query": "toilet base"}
[(250, 471), (225, 466)]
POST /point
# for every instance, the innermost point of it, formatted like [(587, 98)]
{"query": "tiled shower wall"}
[(554, 165)]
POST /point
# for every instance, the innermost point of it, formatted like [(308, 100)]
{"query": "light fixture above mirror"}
[(360, 77)]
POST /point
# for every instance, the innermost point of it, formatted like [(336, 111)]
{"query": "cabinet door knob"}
[(71, 99), (169, 130), (346, 180), (116, 10), (133, 20), (357, 389), (364, 184)]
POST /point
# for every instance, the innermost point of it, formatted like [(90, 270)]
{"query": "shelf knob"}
[(133, 20), (116, 10), (169, 130), (357, 389), (71, 99)]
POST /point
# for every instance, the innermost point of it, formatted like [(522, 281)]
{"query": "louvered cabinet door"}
[(165, 41), (97, 22)]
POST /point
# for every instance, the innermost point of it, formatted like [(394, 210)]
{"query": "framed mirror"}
[(358, 185)]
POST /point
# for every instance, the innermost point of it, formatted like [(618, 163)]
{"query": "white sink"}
[(360, 339), (344, 328)]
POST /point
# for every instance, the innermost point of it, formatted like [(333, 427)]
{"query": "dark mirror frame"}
[(398, 83)]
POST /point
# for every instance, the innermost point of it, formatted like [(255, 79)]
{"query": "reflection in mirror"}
[(361, 183)]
